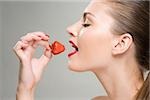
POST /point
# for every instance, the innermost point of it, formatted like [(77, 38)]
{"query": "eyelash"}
[(86, 25)]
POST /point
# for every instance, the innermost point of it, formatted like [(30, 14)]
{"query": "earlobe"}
[(121, 44)]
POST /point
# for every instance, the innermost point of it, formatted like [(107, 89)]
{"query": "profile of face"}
[(92, 38)]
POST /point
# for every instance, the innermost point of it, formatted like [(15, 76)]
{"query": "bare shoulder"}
[(100, 98)]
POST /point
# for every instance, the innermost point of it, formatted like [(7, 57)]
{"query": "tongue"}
[(72, 53)]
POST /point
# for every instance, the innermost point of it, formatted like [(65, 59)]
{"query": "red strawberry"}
[(57, 48)]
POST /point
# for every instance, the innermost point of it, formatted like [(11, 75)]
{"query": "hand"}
[(31, 68)]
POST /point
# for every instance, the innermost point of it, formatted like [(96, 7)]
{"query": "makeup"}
[(75, 47)]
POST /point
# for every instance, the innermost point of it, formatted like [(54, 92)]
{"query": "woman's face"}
[(93, 39)]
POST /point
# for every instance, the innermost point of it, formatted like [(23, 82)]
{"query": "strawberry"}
[(57, 48)]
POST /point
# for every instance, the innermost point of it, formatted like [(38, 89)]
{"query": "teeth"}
[(76, 49), (73, 45)]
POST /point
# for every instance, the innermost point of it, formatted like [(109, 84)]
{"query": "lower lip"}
[(72, 53)]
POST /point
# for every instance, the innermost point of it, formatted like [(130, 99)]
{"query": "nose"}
[(74, 29)]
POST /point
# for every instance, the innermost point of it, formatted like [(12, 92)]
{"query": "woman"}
[(111, 40)]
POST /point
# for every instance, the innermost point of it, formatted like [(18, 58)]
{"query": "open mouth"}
[(75, 47)]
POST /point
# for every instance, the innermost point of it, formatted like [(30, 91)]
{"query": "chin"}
[(77, 68)]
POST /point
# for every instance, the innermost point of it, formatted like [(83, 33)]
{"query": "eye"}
[(86, 25)]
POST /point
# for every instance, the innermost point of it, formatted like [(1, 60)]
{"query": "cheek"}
[(93, 48)]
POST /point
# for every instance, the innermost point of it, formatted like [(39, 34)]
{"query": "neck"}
[(121, 82)]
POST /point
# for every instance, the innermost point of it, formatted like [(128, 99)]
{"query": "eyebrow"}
[(87, 13)]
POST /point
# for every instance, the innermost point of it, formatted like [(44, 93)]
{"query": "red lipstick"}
[(74, 46)]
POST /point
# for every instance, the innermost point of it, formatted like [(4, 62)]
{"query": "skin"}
[(105, 54), (31, 68)]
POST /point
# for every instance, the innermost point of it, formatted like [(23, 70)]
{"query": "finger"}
[(43, 35), (45, 58), (43, 43), (47, 53), (19, 47), (30, 37)]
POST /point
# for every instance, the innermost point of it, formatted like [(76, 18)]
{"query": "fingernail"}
[(47, 35), (50, 46)]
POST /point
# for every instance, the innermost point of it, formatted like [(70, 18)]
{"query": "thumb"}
[(46, 57)]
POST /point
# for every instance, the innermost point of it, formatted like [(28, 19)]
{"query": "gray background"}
[(0, 55), (58, 82)]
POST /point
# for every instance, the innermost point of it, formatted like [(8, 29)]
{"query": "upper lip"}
[(74, 45)]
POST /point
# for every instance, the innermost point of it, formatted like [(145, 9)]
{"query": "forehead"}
[(99, 8)]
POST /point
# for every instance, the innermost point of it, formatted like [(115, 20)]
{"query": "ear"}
[(121, 43)]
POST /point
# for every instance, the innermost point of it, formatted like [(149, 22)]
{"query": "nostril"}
[(70, 41), (71, 34)]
